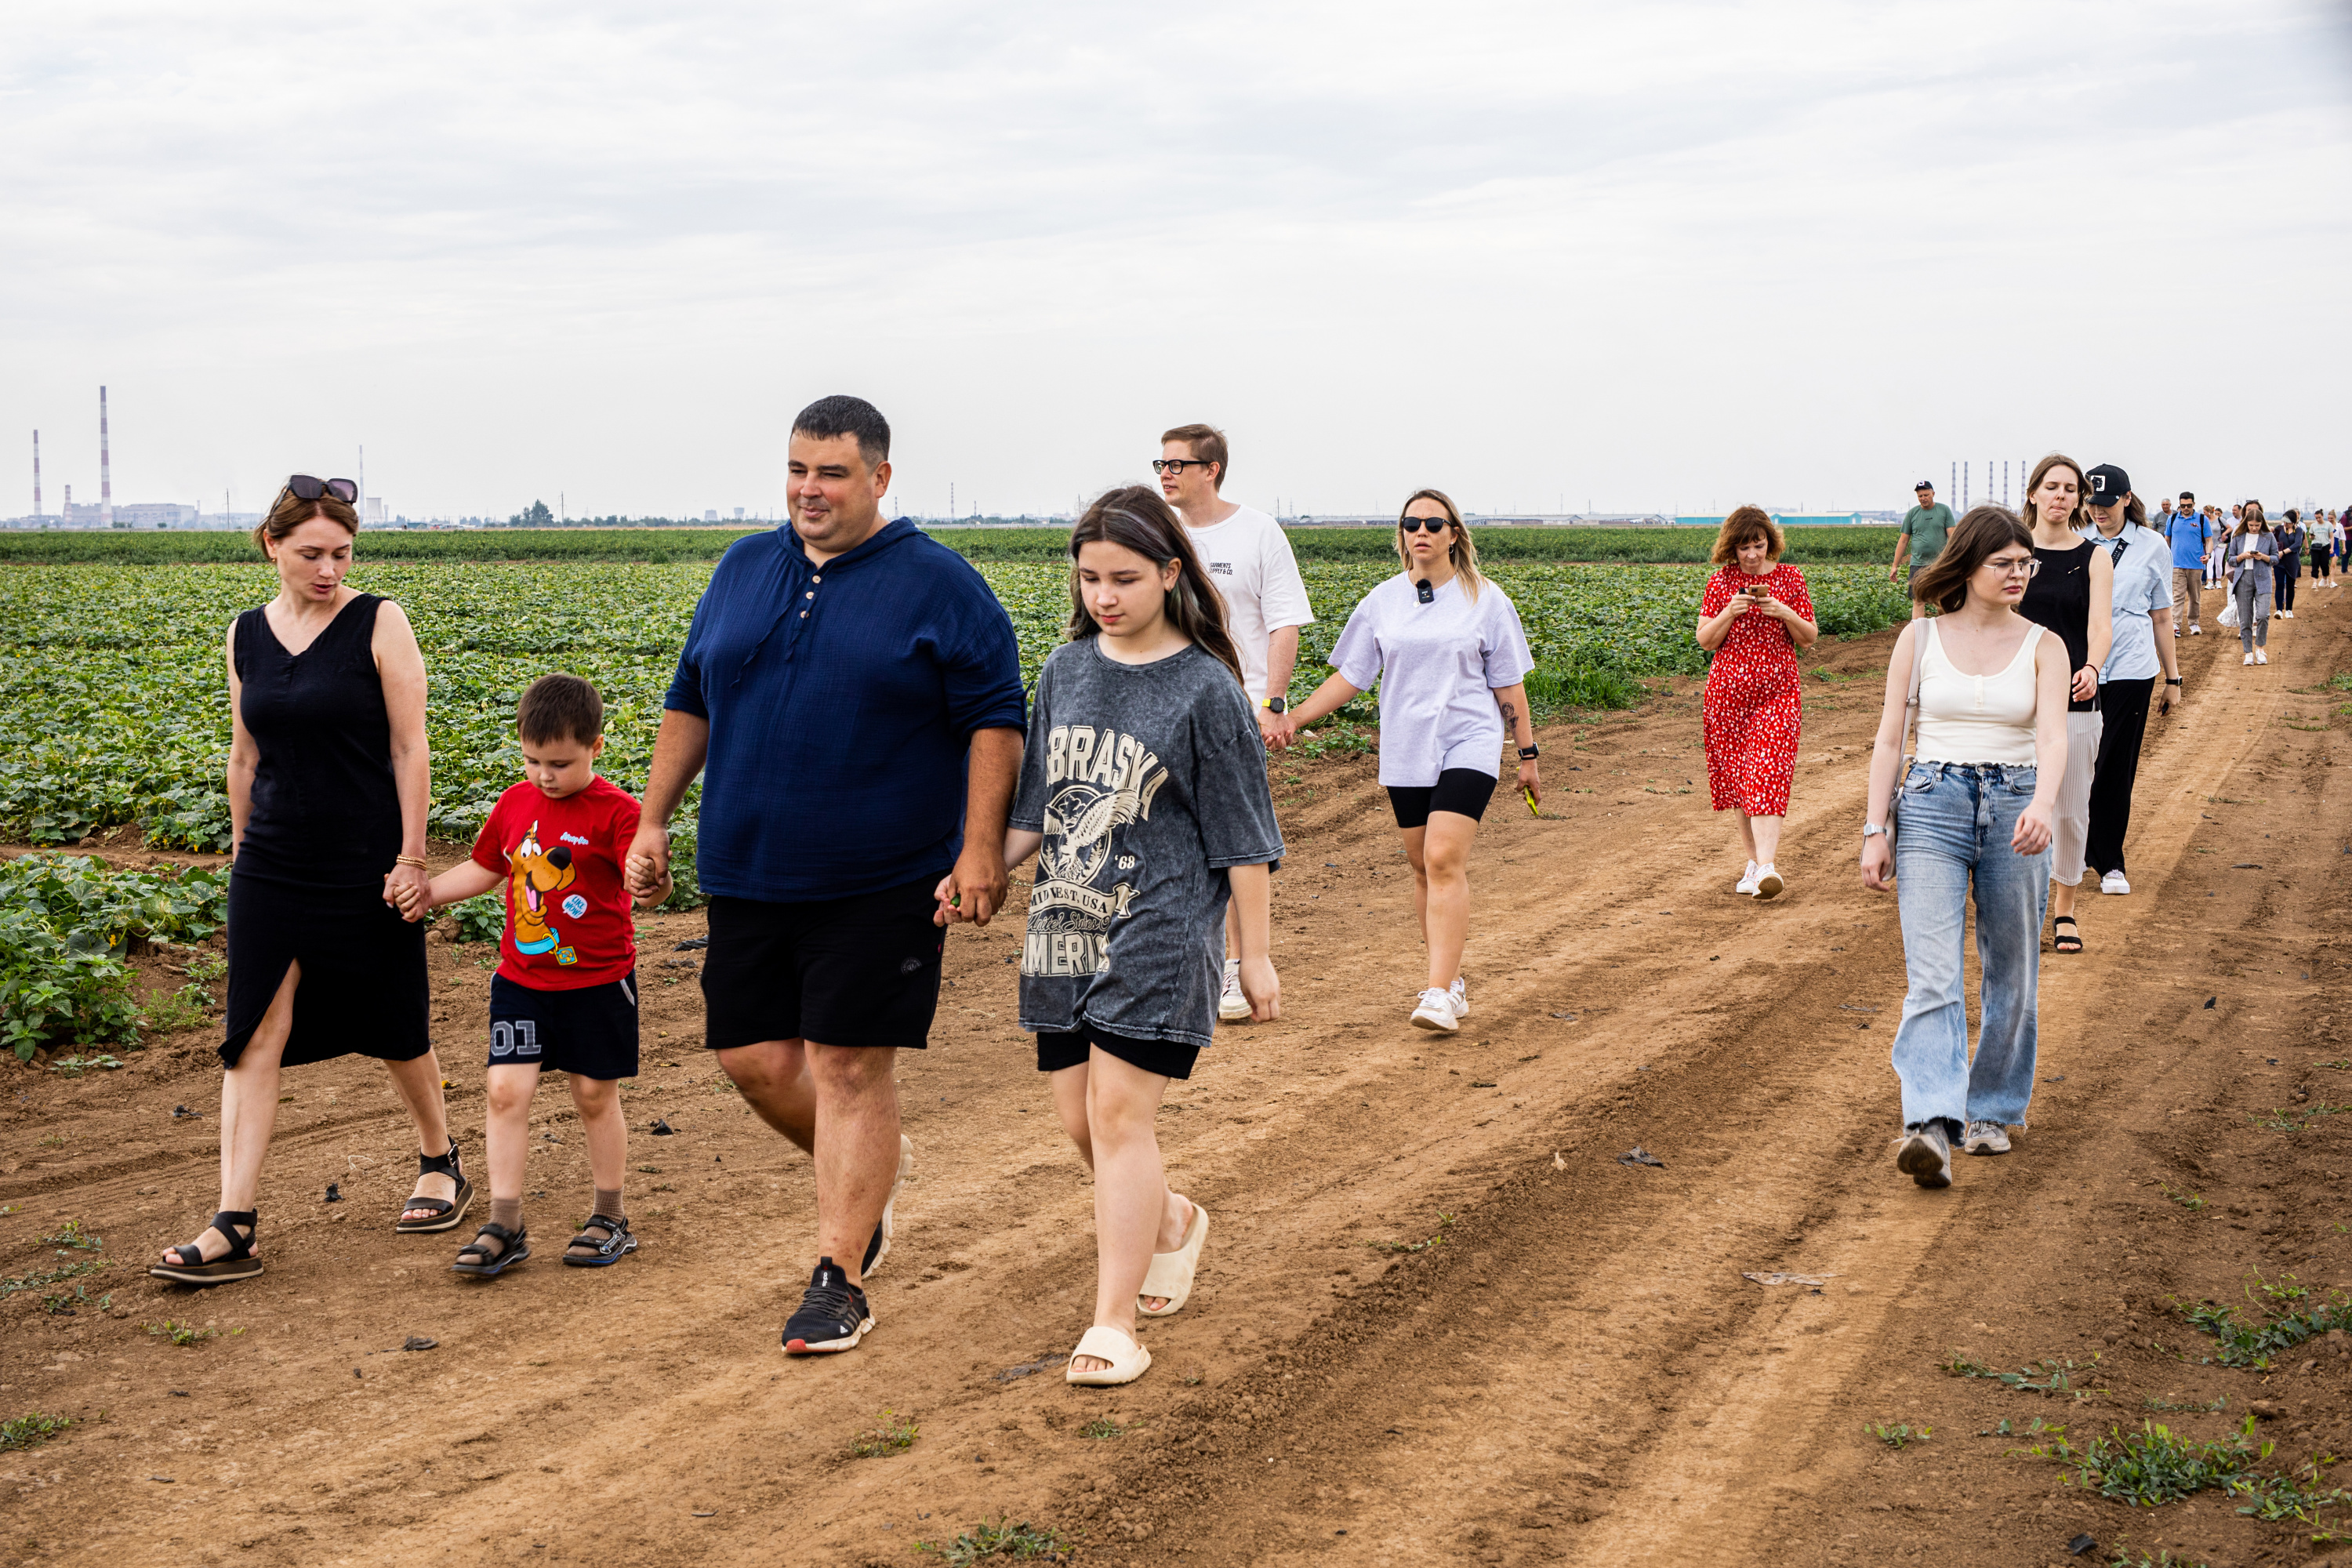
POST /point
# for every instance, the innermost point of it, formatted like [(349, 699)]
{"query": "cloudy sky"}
[(1542, 255)]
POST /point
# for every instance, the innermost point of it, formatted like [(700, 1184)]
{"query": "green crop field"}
[(114, 707)]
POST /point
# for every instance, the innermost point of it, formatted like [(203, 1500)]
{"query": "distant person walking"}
[(2323, 549), (1444, 646), (2191, 533), (2141, 651), (2072, 595), (1752, 618), (1248, 557), (2252, 552), (1919, 539), (2291, 536), (855, 691), (1977, 804), (327, 784)]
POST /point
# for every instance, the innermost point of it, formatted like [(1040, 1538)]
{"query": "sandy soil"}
[(1576, 1372)]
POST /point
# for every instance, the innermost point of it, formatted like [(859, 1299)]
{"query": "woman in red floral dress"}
[(1754, 618)]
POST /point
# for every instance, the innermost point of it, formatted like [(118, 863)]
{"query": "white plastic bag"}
[(2228, 618)]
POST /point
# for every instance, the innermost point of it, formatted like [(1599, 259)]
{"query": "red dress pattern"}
[(1755, 707)]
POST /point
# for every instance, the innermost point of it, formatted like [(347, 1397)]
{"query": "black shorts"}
[(1166, 1057), (860, 971), (590, 1033), (1465, 791)]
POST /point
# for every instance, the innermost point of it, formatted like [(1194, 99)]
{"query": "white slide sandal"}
[(1170, 1274), (1128, 1359)]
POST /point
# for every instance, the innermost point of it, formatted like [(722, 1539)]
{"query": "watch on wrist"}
[(1276, 704), (1530, 754), (1871, 830), (2172, 680)]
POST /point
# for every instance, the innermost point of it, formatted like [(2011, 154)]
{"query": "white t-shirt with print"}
[(1248, 557), (1438, 665)]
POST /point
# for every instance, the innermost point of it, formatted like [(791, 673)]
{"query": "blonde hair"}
[(1462, 553)]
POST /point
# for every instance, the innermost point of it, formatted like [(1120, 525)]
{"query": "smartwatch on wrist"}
[(2173, 680), (1276, 704), (1530, 754)]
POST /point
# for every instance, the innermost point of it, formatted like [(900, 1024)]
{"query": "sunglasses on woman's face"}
[(1415, 524), (305, 488)]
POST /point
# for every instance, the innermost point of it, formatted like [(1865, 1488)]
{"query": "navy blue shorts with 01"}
[(590, 1032), (859, 971), (1166, 1057)]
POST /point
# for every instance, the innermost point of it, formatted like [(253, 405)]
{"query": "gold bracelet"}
[(415, 860)]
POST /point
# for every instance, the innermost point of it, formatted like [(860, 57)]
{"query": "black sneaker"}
[(832, 1316)]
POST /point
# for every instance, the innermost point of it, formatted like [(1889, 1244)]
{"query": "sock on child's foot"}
[(507, 1212), (608, 1202)]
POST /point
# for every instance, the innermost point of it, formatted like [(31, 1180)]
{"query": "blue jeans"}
[(1954, 825)]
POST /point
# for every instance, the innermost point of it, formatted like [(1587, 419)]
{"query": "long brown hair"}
[(1944, 582), (290, 511), (2253, 519), (1747, 522), (2076, 519), (1136, 518), (1462, 553)]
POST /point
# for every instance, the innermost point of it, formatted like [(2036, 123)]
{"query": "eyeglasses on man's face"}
[(1177, 465)]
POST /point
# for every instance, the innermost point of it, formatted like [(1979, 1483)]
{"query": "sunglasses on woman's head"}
[(305, 488), (1434, 524)]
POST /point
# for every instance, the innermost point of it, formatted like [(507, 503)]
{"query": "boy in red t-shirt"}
[(565, 994)]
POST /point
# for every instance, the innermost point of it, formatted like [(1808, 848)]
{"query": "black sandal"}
[(237, 1263), (616, 1243), (514, 1245), (448, 1214), (2068, 940)]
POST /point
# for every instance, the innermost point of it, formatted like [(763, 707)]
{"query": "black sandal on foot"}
[(238, 1262), (447, 1212), (514, 1245), (2067, 941), (608, 1239)]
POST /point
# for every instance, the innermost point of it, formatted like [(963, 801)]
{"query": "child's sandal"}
[(608, 1239), (513, 1246), (447, 1213), (187, 1265)]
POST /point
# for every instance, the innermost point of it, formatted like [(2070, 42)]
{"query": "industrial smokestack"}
[(105, 468), (37, 473)]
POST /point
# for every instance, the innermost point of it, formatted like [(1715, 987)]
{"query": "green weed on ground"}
[(31, 1431), (1438, 1240), (2153, 1466), (890, 1434), (2185, 1198), (183, 1333), (2294, 1119), (2045, 1376), (1022, 1543), (76, 1065), (45, 1277), (72, 1235), (2249, 1337), (1899, 1437)]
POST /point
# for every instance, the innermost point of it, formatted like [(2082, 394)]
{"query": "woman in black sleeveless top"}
[(2071, 593), (327, 784)]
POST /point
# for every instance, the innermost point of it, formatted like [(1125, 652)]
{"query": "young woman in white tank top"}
[(1976, 821)]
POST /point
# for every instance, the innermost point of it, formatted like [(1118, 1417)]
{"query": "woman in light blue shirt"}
[(2140, 610)]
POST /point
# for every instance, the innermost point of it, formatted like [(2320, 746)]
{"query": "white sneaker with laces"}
[(1746, 883), (1768, 882), (1233, 1007), (1437, 1012), (2197, 631), (2248, 659), (1986, 1138), (2113, 882), (1460, 992), (2261, 655)]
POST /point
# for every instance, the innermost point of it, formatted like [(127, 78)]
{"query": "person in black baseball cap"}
[(2139, 607)]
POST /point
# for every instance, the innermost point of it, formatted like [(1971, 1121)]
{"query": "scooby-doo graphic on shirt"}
[(538, 876)]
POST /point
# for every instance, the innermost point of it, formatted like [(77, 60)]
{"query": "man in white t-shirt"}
[(1248, 557)]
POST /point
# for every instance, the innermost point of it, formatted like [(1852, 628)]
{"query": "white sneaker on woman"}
[(2248, 659), (1232, 1005), (1768, 882), (2113, 882), (1437, 1012), (1746, 883), (2261, 655), (1460, 992)]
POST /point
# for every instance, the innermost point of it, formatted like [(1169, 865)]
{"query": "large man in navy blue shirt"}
[(851, 690)]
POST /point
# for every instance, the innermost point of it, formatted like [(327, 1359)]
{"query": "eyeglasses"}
[(1434, 524), (1177, 465), (305, 487), (2025, 568)]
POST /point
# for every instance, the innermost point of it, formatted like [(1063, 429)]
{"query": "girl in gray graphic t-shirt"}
[(1143, 795)]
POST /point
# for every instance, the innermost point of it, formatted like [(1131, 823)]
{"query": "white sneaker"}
[(1768, 882), (1460, 992), (1986, 1138), (1924, 1154), (2113, 882), (2248, 659), (2197, 631), (1233, 1007), (2286, 615), (1746, 883), (2261, 655), (1437, 1012)]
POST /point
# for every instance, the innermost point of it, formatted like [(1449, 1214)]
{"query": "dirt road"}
[(1439, 1321)]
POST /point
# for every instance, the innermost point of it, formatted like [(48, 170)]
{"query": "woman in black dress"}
[(327, 786), (2071, 594)]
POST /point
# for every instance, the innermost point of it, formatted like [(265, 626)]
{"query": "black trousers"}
[(2124, 703), (2286, 590)]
